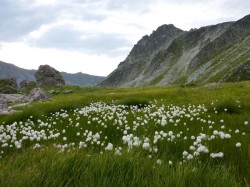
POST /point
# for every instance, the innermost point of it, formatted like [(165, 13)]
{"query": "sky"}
[(94, 36)]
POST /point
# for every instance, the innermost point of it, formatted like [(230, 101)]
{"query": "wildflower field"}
[(147, 136)]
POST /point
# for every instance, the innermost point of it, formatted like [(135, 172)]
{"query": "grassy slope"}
[(87, 167)]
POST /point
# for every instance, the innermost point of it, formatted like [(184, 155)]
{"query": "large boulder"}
[(48, 76), (38, 94), (8, 86)]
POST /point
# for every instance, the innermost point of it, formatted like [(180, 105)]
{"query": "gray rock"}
[(67, 91), (48, 76), (26, 84), (13, 98), (53, 92), (2, 99), (38, 94)]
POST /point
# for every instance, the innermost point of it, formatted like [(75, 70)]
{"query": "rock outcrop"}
[(8, 86), (216, 53), (48, 76), (27, 84), (38, 94)]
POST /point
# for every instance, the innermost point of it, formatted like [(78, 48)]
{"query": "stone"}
[(27, 84), (67, 91), (54, 92), (48, 76), (14, 98), (38, 94)]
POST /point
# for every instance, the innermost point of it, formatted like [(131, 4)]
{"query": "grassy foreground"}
[(148, 136)]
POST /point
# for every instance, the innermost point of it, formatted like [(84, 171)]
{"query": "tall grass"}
[(49, 167), (81, 168)]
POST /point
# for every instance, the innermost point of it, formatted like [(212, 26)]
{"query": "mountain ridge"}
[(8, 70), (199, 56)]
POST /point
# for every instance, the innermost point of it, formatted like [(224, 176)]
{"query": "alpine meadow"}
[(144, 136)]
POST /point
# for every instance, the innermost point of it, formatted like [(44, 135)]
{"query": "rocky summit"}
[(48, 76), (216, 53)]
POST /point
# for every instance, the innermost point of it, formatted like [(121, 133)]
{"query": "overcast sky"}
[(94, 36)]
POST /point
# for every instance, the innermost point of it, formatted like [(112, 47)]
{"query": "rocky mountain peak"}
[(163, 35), (170, 55)]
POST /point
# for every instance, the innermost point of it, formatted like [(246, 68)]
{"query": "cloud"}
[(62, 60), (102, 28), (65, 37)]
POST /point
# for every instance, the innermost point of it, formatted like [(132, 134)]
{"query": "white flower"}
[(64, 138), (238, 144), (159, 161), (245, 122), (109, 147), (217, 155), (170, 162), (190, 157), (146, 145), (185, 153)]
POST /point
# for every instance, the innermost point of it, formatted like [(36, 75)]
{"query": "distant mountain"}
[(216, 53), (11, 71), (82, 79), (79, 79)]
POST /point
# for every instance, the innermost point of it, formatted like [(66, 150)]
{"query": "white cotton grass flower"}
[(246, 122), (109, 147), (159, 161), (238, 144), (190, 157), (217, 155), (146, 146), (170, 163)]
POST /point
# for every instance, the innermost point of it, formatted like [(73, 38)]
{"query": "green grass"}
[(95, 166)]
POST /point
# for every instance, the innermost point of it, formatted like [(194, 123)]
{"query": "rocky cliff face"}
[(216, 53)]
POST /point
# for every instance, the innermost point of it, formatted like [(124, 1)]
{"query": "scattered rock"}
[(13, 98), (48, 76), (67, 91), (54, 92), (4, 110), (2, 99), (38, 94), (27, 84)]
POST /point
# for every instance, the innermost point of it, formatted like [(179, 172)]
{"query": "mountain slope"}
[(79, 79), (12, 71), (217, 53)]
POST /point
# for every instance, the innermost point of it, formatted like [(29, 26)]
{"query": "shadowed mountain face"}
[(217, 53), (79, 79)]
